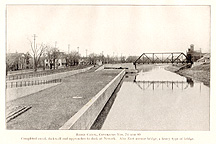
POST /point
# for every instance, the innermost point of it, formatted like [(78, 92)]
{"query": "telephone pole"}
[(68, 48), (86, 52), (102, 57), (34, 39), (78, 49), (34, 52), (55, 43)]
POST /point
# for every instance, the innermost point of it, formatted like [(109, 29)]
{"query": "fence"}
[(30, 83), (40, 74), (14, 77)]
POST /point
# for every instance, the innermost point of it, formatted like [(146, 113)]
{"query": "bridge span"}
[(167, 57)]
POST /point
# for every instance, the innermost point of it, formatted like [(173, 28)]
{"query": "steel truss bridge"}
[(169, 57), (163, 85)]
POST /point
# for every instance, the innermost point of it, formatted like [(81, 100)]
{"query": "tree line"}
[(50, 56)]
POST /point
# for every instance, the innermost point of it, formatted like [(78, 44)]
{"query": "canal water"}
[(159, 100)]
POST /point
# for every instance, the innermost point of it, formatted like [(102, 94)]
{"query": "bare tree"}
[(73, 58), (131, 59), (9, 64), (36, 53), (53, 56)]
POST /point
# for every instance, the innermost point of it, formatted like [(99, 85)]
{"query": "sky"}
[(111, 30)]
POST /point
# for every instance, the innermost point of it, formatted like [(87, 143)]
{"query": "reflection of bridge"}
[(153, 85), (172, 57)]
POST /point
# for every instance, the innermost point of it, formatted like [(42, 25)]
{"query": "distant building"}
[(18, 61), (83, 61), (99, 62), (194, 55), (60, 61)]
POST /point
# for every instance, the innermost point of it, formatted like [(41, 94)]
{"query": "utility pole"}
[(121, 58), (55, 43), (68, 48), (113, 57), (34, 52), (200, 53), (78, 50), (102, 57), (54, 56), (34, 39), (86, 52)]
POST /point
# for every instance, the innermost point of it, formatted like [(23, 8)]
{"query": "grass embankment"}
[(199, 72)]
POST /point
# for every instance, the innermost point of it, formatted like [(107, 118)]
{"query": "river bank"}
[(199, 72)]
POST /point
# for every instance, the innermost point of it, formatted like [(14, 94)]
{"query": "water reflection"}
[(159, 100), (163, 84), (190, 81)]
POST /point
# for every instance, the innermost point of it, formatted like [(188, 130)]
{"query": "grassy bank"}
[(200, 72)]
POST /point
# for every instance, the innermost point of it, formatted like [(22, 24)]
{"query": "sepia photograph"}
[(105, 68), (64, 64)]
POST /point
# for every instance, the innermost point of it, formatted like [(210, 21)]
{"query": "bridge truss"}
[(151, 58)]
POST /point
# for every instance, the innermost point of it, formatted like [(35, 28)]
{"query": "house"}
[(19, 61), (84, 61), (99, 62), (60, 60)]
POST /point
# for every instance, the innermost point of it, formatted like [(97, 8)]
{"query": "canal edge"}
[(86, 116)]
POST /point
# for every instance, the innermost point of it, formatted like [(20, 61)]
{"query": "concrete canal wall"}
[(86, 116), (17, 92), (129, 67), (118, 65)]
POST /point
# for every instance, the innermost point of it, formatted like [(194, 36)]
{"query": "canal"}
[(157, 100)]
